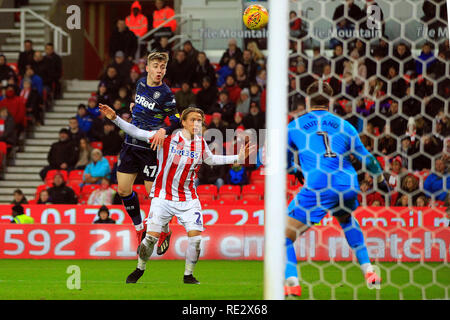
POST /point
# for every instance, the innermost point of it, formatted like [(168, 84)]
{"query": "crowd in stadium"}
[(399, 111)]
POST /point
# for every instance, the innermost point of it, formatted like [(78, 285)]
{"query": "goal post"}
[(276, 137)]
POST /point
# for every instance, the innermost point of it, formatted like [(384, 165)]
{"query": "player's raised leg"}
[(130, 201)]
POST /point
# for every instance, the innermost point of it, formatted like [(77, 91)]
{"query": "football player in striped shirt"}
[(174, 192), (154, 102)]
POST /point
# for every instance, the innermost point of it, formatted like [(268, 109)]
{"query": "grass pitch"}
[(220, 280)]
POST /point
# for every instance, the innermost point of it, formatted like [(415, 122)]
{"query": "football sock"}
[(165, 228), (291, 265), (150, 242), (131, 204), (355, 239), (192, 254)]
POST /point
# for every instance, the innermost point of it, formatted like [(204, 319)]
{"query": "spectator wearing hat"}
[(103, 216), (233, 51), (7, 127), (203, 69), (63, 154), (97, 168), (136, 21), (207, 96), (122, 39), (59, 193), (53, 63), (225, 107), (217, 124), (243, 103), (19, 216), (122, 65), (19, 197), (92, 107), (162, 14), (184, 97)]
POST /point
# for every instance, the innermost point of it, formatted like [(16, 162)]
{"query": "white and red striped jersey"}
[(179, 160)]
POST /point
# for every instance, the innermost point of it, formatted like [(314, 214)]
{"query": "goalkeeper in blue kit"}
[(324, 143)]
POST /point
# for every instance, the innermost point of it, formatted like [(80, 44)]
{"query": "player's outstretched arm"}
[(244, 153), (129, 128)]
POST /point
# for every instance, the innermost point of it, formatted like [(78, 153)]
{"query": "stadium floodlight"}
[(275, 184)]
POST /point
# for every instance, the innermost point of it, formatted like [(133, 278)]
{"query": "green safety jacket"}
[(23, 219)]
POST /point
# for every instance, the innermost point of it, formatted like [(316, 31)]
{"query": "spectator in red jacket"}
[(162, 14), (234, 91), (136, 21), (15, 105)]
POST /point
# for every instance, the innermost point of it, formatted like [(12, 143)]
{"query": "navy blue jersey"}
[(151, 106)]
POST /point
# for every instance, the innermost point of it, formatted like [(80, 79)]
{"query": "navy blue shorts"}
[(134, 160), (310, 207)]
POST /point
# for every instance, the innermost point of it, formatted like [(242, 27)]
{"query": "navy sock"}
[(131, 204)]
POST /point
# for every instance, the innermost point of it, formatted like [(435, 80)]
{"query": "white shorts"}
[(188, 213)]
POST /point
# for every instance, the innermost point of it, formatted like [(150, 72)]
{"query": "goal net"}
[(388, 65)]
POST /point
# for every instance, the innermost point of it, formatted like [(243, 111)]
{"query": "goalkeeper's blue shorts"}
[(309, 207)]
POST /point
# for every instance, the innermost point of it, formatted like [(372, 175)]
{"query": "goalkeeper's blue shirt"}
[(151, 106), (324, 143)]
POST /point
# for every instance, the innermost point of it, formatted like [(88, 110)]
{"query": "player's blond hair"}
[(319, 93), (189, 110), (160, 56)]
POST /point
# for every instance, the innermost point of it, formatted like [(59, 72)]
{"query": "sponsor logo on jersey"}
[(188, 153), (144, 102), (156, 95)]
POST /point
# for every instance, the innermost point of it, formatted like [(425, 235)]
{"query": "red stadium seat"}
[(75, 187), (51, 175), (251, 196), (139, 188), (76, 176), (196, 90), (32, 201), (208, 119), (256, 177), (253, 189), (3, 148), (88, 188), (229, 191), (204, 197), (112, 160), (39, 189), (207, 189), (97, 145)]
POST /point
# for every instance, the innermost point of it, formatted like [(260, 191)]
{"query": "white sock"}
[(150, 242), (292, 282), (165, 228), (192, 254), (367, 267)]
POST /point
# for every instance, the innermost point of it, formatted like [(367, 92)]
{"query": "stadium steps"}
[(34, 30), (23, 172)]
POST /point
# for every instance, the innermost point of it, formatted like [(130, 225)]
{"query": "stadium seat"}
[(251, 196), (229, 191), (139, 188), (114, 186), (97, 145), (76, 176), (39, 189), (112, 160), (32, 201), (207, 189), (205, 197), (88, 188), (253, 189), (208, 119), (75, 187), (256, 177), (51, 175)]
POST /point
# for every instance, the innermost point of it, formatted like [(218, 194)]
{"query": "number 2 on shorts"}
[(199, 218)]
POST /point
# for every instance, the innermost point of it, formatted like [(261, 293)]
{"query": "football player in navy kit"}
[(154, 102)]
